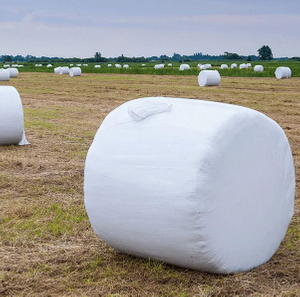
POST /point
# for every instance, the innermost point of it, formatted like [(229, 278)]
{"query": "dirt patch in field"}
[(47, 246)]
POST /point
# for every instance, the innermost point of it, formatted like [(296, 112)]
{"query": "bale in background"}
[(11, 117), (224, 66), (209, 78), (75, 71), (13, 72), (258, 68), (283, 72), (198, 184), (4, 75), (159, 66), (183, 67)]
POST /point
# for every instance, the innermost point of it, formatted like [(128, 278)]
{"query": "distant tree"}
[(265, 53), (231, 56), (7, 58), (249, 59), (97, 57)]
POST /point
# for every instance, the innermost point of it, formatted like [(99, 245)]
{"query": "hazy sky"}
[(71, 28)]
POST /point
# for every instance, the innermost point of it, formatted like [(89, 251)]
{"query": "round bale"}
[(11, 117), (283, 72), (4, 75), (198, 184), (209, 78), (258, 68), (13, 72), (75, 71)]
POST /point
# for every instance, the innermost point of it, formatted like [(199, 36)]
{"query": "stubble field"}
[(47, 246)]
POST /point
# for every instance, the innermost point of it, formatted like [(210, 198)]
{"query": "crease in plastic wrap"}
[(11, 117), (198, 184)]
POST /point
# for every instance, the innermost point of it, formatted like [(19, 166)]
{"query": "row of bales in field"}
[(6, 74), (173, 208)]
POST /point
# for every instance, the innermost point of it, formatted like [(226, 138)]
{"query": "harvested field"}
[(47, 246)]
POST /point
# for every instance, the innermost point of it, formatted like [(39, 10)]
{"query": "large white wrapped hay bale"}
[(143, 65), (243, 66), (11, 117), (159, 66), (283, 72), (64, 70), (13, 72), (233, 65), (118, 65), (75, 71), (183, 67), (49, 65), (198, 184), (125, 66), (209, 78), (199, 65), (170, 64), (4, 75), (109, 65), (97, 66), (258, 68), (224, 66), (57, 70), (248, 65)]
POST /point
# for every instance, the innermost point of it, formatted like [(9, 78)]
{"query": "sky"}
[(72, 28)]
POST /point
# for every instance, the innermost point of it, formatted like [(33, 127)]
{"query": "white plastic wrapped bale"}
[(13, 72), (64, 70), (75, 71), (183, 67), (243, 66), (125, 66), (224, 66), (283, 72), (97, 66), (198, 184), (4, 75), (143, 65), (109, 65), (170, 64), (118, 65), (11, 117), (248, 65), (209, 78), (199, 65), (233, 65), (205, 66), (57, 70), (49, 65), (258, 68), (159, 66)]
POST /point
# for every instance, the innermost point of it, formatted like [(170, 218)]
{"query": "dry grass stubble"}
[(47, 247)]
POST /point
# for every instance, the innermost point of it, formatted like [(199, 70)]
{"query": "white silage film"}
[(183, 67), (13, 72), (11, 117), (209, 78), (4, 75), (57, 70), (159, 66), (75, 71), (283, 72), (258, 68), (198, 184)]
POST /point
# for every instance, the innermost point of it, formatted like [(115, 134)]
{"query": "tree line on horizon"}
[(264, 53)]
